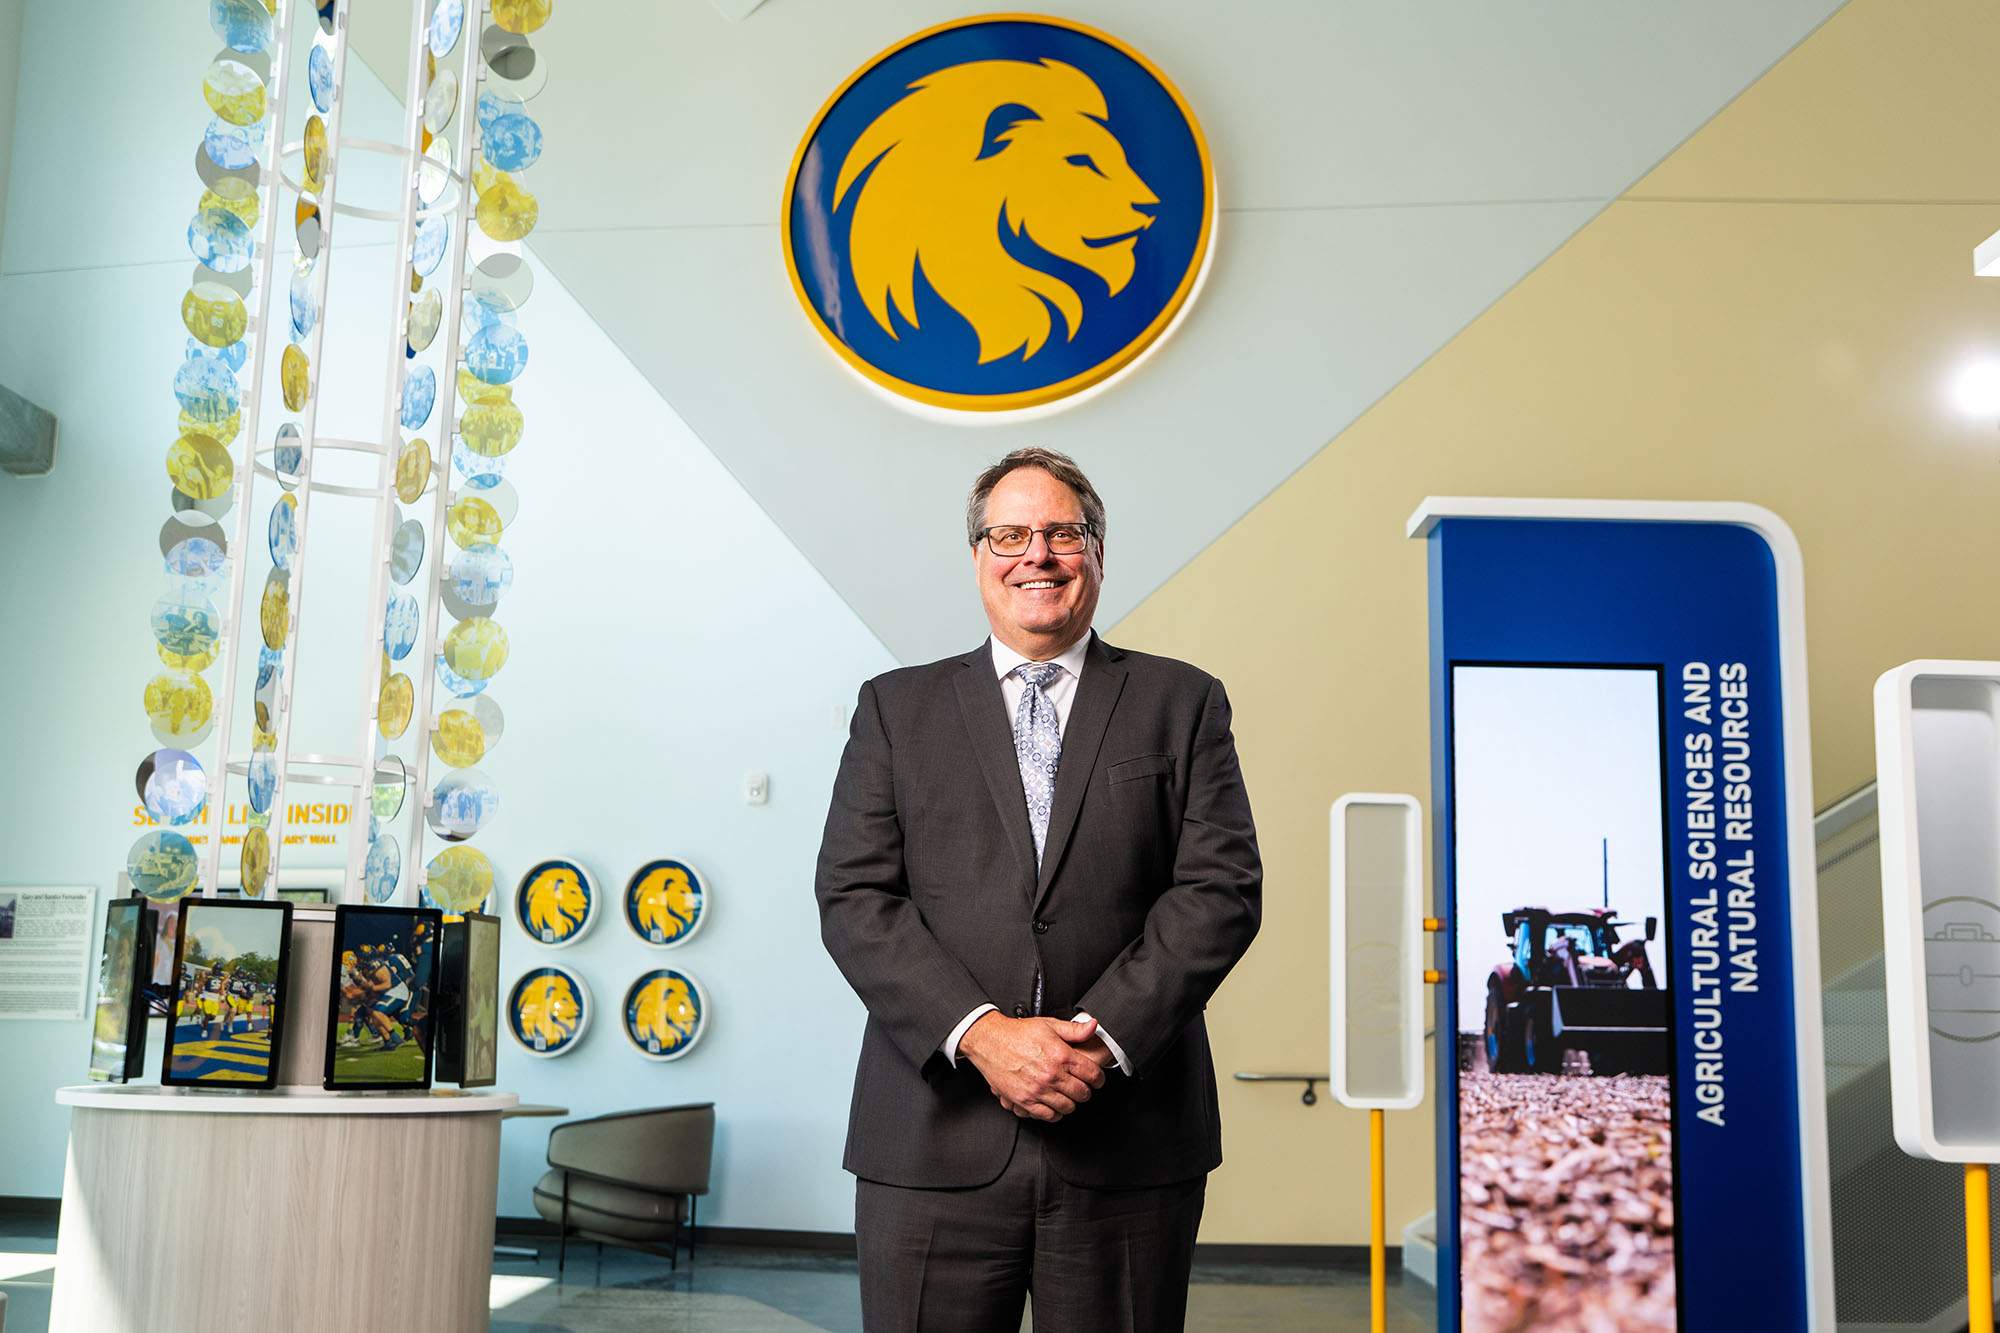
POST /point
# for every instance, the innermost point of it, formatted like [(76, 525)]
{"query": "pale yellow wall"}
[(1769, 316)]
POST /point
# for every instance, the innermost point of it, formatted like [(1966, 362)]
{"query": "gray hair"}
[(1060, 466)]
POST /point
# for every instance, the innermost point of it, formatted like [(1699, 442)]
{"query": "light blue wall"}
[(667, 638)]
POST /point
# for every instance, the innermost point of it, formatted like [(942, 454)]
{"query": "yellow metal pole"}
[(1978, 1251), (1378, 1240)]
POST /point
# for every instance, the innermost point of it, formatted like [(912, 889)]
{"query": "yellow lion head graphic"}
[(974, 148), (665, 1011), (666, 903), (549, 1010), (557, 902)]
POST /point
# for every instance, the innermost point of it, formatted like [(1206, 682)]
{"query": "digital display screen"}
[(468, 1001), (1564, 1071), (380, 1025), (118, 1024), (226, 994)]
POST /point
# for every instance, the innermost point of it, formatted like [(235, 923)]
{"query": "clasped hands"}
[(1039, 1068)]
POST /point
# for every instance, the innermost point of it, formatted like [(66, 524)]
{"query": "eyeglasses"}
[(1012, 539)]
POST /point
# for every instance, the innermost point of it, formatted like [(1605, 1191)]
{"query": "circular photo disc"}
[(491, 430), (232, 147), (179, 703), (458, 741), (314, 144), (514, 65), (253, 862), (400, 622), (548, 1010), (392, 784), (234, 91), (475, 649), (319, 77), (461, 803), (284, 530), (497, 354), (459, 879), (384, 864), (419, 397), (173, 786), (666, 1013), (207, 390), (473, 521), (288, 456), (399, 700), (440, 102), (506, 212), (426, 315), (406, 550), (480, 575), (162, 866), (413, 471), (200, 467), (187, 624), (666, 902), (305, 312), (513, 142), (556, 903), (502, 282), (214, 314), (244, 25), (433, 237), (446, 22), (294, 377), (434, 172), (263, 777), (268, 694), (274, 611)]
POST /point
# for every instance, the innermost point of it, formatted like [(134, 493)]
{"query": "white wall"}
[(666, 639)]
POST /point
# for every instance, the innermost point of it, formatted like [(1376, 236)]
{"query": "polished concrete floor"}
[(741, 1290)]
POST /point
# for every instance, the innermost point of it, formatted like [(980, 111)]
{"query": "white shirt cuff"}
[(1117, 1051), (950, 1045)]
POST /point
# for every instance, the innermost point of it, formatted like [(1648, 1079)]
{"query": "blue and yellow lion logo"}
[(664, 902), (555, 902), (548, 1010), (1043, 157), (999, 213), (664, 1012)]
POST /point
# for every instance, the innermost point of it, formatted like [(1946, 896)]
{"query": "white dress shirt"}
[(1061, 692)]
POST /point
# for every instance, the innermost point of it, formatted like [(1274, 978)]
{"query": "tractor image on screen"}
[(1567, 984)]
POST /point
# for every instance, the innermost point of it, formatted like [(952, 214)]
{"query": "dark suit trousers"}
[(962, 1260)]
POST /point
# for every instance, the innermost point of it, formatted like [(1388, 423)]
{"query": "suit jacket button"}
[(1020, 1011), (1041, 927)]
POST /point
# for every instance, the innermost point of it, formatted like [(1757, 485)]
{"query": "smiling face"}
[(1037, 603)]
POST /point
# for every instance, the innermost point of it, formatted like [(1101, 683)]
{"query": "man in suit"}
[(1038, 865)]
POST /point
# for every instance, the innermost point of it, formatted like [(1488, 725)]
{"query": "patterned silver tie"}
[(1038, 746)]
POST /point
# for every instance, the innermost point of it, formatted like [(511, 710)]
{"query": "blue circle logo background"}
[(933, 353)]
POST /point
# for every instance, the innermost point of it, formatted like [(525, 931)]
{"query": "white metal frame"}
[(1411, 982), (1911, 1073)]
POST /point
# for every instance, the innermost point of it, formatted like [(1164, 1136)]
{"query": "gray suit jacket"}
[(1149, 891)]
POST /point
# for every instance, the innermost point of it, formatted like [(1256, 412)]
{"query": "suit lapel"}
[(986, 721), (1097, 694)]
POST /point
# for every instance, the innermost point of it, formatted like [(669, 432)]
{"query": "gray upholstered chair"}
[(629, 1179)]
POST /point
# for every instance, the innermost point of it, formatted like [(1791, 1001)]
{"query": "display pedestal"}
[(211, 1212)]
